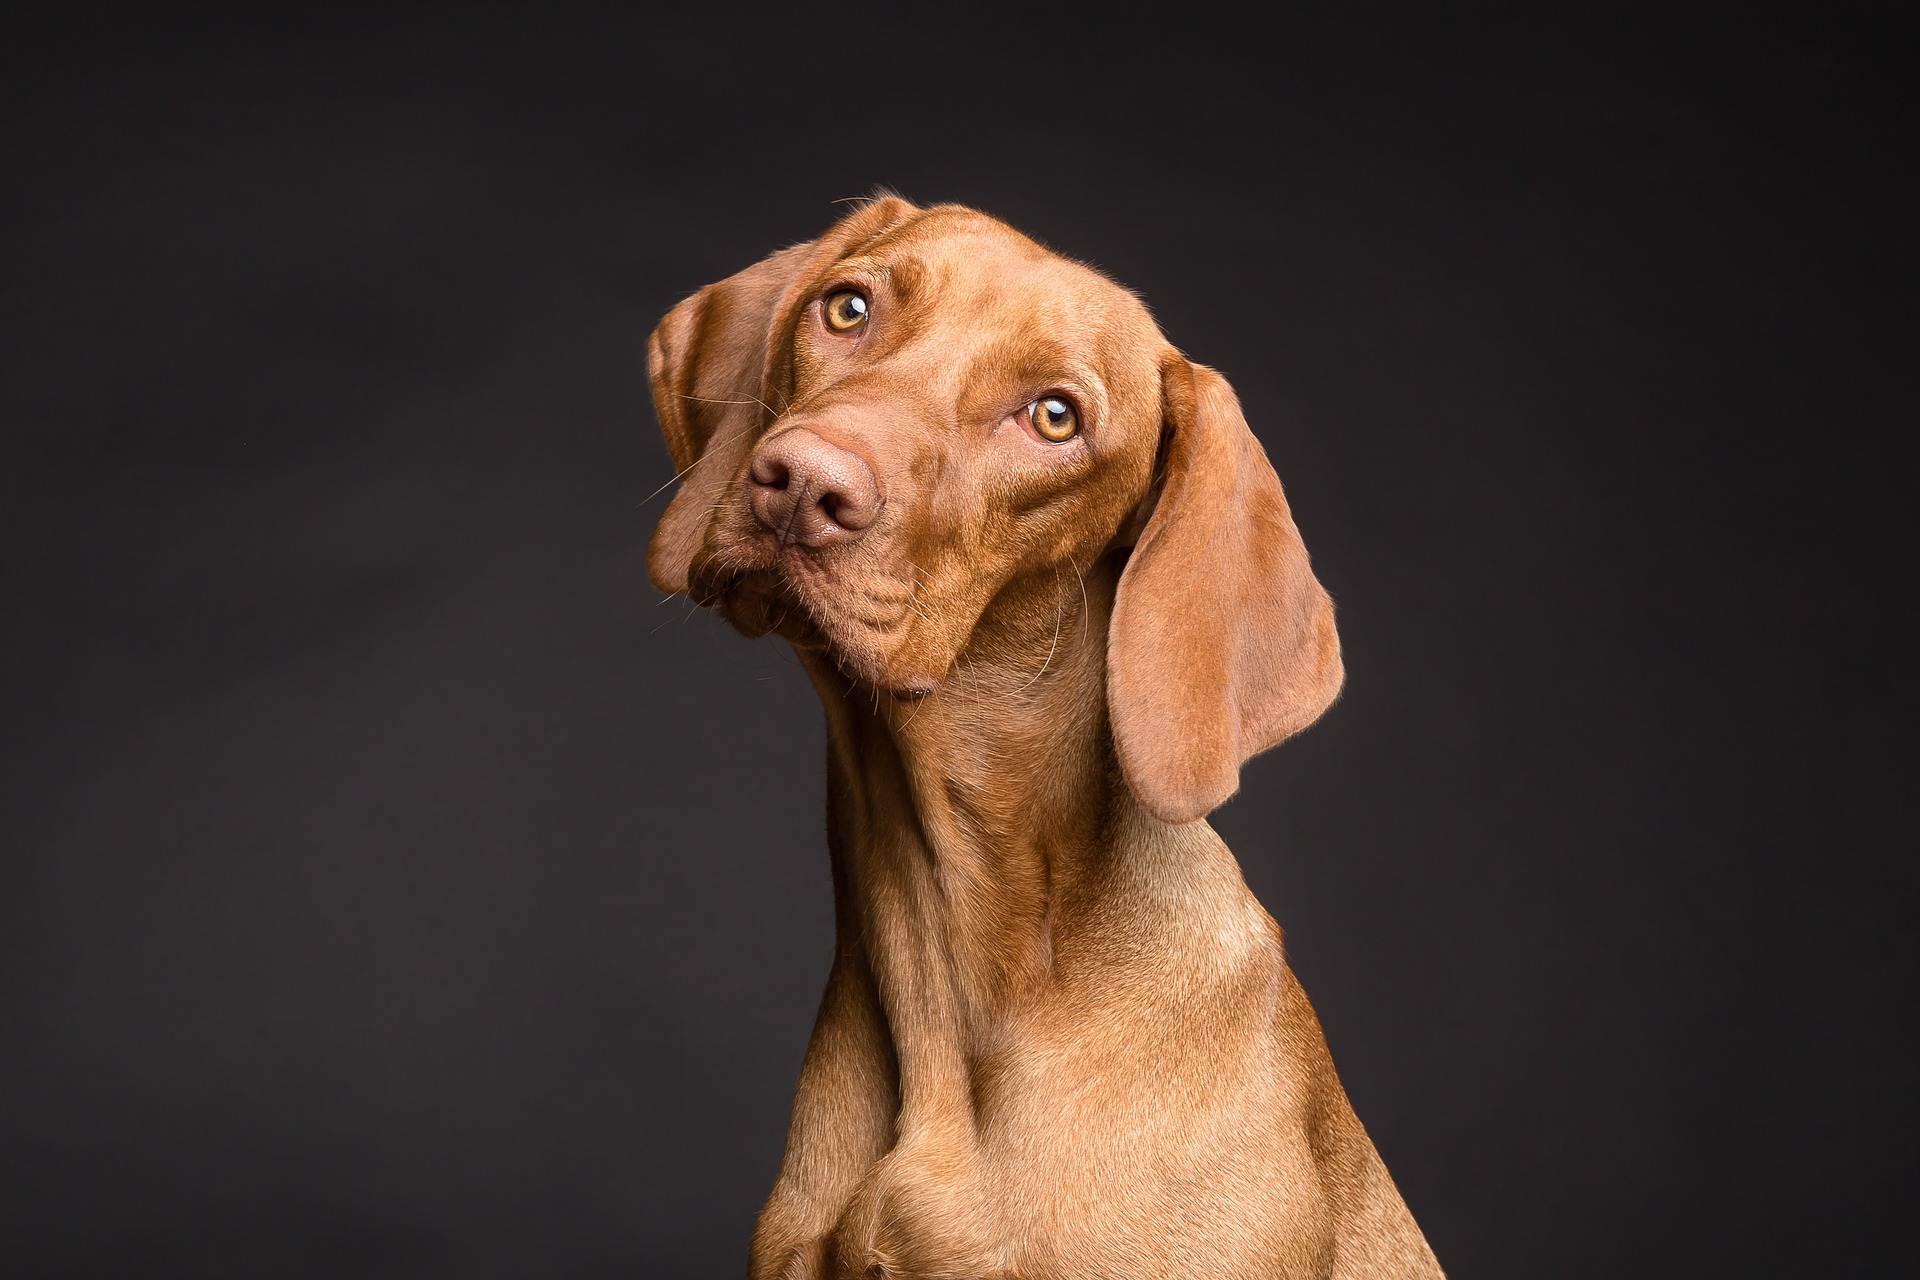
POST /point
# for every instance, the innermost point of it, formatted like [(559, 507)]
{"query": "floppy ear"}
[(1222, 642), (712, 360)]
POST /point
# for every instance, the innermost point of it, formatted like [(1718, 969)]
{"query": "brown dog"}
[(1047, 585)]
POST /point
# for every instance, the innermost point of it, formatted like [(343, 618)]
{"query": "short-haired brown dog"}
[(1045, 581)]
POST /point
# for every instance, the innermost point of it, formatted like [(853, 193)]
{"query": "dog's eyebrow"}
[(1031, 366), (905, 279), (857, 265), (1037, 360)]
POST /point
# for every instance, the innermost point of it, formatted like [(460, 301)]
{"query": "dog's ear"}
[(713, 361), (1222, 642)]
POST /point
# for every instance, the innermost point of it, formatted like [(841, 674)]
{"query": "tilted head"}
[(887, 431)]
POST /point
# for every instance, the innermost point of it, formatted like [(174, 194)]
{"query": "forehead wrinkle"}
[(988, 264), (962, 232), (892, 250), (953, 221), (897, 232), (958, 248)]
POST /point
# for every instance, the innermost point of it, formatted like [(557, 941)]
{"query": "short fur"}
[(1059, 1037)]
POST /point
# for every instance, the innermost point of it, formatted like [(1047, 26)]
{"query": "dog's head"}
[(884, 432)]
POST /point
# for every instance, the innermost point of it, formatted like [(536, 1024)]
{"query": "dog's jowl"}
[(1045, 580)]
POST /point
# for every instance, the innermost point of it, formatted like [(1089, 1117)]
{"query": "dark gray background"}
[(390, 887)]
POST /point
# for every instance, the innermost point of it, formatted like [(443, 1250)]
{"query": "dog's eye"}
[(846, 310), (1054, 419)]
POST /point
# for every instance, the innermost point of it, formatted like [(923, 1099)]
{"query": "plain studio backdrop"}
[(393, 887)]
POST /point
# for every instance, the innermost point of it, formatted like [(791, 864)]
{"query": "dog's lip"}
[(913, 688), (721, 583)]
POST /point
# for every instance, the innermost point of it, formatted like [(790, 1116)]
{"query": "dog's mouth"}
[(859, 630)]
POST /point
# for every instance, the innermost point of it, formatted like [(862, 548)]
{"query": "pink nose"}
[(811, 492)]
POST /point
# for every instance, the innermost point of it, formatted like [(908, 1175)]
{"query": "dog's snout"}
[(809, 491)]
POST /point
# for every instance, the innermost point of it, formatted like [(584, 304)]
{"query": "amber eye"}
[(846, 310), (1054, 419)]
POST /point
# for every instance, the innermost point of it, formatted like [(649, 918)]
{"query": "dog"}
[(1048, 587)]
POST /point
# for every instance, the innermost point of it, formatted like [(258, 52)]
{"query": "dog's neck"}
[(964, 823)]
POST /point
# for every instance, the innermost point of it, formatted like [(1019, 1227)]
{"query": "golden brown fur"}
[(1059, 1037)]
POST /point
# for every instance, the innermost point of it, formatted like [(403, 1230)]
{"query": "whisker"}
[(913, 589), (1058, 613), (1086, 609), (711, 444), (682, 473), (670, 621), (916, 711), (749, 400), (913, 585)]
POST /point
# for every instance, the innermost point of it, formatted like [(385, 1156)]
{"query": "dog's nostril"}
[(771, 473)]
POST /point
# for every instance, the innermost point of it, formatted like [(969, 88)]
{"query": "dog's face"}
[(892, 435), (958, 408)]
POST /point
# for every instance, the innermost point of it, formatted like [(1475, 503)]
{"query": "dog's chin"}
[(756, 604), (765, 602)]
